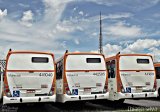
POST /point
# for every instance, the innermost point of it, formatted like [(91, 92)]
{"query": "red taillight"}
[(6, 88), (105, 88), (52, 89), (67, 91), (155, 84), (7, 91), (120, 87), (67, 88)]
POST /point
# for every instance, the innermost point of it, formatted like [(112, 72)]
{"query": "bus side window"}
[(157, 72), (0, 73), (112, 69), (59, 69), (108, 69)]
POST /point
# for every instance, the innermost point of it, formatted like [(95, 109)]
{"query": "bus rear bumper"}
[(84, 97), (137, 95), (36, 99)]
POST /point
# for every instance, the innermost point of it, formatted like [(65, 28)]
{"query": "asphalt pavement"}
[(151, 105)]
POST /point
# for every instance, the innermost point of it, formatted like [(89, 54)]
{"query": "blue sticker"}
[(128, 89), (16, 93), (75, 91)]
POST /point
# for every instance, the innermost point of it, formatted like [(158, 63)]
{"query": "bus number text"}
[(99, 74), (46, 74)]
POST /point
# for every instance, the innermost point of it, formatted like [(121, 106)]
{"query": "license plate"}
[(30, 91), (138, 88), (87, 90)]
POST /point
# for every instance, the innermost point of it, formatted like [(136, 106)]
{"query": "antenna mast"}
[(100, 36)]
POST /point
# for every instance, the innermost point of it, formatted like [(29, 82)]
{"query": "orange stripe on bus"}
[(29, 52), (134, 70), (156, 64), (83, 53), (84, 70), (30, 70)]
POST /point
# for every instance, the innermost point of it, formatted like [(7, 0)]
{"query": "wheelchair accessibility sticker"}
[(75, 91), (128, 89), (16, 93)]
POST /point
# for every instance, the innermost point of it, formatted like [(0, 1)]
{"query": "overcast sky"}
[(129, 26)]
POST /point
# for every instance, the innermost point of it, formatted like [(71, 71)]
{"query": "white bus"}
[(81, 76), (2, 69), (131, 76), (29, 77), (157, 68)]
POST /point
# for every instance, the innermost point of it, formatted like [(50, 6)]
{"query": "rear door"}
[(30, 74)]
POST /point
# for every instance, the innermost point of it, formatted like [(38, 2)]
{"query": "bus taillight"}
[(105, 88), (120, 86), (67, 91), (155, 85), (7, 91), (52, 90)]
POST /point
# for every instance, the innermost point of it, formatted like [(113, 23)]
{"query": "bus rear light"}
[(67, 90), (120, 86), (7, 91), (8, 94), (51, 93), (105, 88), (52, 90), (155, 85)]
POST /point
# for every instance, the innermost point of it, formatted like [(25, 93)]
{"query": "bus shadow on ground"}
[(94, 106), (111, 105), (71, 106)]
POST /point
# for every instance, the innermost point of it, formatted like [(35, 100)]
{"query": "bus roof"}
[(29, 52), (114, 57), (83, 53), (78, 53)]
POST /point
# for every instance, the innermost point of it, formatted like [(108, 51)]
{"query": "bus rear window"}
[(93, 60), (143, 61), (40, 59)]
